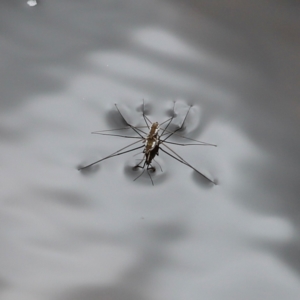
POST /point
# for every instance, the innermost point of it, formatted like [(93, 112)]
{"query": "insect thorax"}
[(153, 130)]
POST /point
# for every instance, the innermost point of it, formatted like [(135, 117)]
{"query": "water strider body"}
[(152, 143), (151, 148)]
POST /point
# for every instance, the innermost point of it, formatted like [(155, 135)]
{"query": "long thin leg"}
[(145, 133), (179, 127), (139, 154), (138, 165), (120, 135), (114, 154), (184, 137), (139, 175), (115, 129), (140, 161), (180, 159), (165, 122), (170, 120), (181, 144), (132, 127), (143, 167), (158, 164), (150, 176), (145, 117)]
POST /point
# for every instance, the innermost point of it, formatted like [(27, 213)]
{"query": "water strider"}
[(155, 140)]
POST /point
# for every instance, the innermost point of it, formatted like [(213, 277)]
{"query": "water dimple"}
[(203, 182), (88, 171), (159, 175)]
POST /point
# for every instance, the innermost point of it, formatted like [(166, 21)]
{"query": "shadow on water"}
[(167, 232), (145, 106), (123, 117), (114, 119), (204, 182), (4, 285), (152, 257), (159, 176), (88, 171), (63, 197), (287, 252), (94, 292)]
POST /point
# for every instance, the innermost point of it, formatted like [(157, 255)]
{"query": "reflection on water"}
[(100, 235)]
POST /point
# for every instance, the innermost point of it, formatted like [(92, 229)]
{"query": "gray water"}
[(100, 235)]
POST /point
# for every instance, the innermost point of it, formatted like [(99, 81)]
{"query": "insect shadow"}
[(158, 175), (157, 139), (88, 171)]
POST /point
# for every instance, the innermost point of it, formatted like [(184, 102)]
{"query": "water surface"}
[(101, 235)]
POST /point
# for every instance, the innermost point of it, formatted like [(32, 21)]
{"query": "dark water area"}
[(98, 234)]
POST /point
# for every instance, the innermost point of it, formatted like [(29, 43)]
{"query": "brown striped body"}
[(152, 143)]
